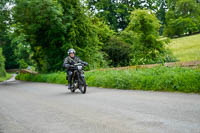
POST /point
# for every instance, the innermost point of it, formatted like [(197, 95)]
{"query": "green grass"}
[(186, 48), (57, 78), (8, 76), (156, 79)]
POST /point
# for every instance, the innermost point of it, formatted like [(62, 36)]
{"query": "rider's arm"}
[(80, 61), (66, 63)]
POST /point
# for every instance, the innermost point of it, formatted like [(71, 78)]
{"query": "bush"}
[(156, 79), (22, 64), (118, 52), (58, 78), (2, 65), (8, 76), (147, 47)]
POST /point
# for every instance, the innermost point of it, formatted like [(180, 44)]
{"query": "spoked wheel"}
[(82, 85)]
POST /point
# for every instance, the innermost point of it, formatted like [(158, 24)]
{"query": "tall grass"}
[(156, 79), (186, 48), (57, 78)]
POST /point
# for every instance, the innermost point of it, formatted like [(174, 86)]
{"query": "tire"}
[(82, 86), (73, 87), (72, 90)]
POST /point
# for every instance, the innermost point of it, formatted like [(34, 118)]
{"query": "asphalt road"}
[(49, 108)]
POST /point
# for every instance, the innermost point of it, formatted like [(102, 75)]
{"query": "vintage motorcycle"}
[(78, 78)]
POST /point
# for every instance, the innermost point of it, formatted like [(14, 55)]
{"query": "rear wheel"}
[(82, 85)]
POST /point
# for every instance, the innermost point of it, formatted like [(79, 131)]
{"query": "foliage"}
[(52, 27), (41, 31), (115, 17), (117, 13), (59, 78), (9, 53), (182, 18), (156, 79), (146, 45), (22, 50), (103, 31), (4, 19), (2, 65), (5, 41), (8, 76), (118, 52), (22, 64), (41, 23)]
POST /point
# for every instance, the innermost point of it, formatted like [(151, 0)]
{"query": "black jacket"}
[(71, 61)]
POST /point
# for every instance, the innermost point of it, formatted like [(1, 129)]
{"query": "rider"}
[(69, 62)]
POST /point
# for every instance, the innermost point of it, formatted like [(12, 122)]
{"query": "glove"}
[(85, 63), (71, 66), (66, 66)]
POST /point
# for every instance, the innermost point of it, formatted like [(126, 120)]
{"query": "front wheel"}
[(72, 90), (82, 85)]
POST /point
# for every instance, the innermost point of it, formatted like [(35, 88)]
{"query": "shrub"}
[(22, 64), (147, 47), (118, 52), (2, 65), (156, 79)]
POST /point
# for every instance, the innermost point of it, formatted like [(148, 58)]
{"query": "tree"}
[(103, 31), (41, 22), (143, 28), (5, 41), (115, 13), (183, 18), (22, 50), (52, 27), (4, 19)]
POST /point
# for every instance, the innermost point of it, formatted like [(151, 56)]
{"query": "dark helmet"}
[(71, 50)]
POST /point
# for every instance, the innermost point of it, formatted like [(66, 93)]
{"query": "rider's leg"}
[(69, 75)]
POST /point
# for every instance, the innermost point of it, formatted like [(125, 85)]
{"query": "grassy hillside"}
[(186, 48)]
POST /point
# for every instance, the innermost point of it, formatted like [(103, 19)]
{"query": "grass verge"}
[(8, 76), (156, 79)]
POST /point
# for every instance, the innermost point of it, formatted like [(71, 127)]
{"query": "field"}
[(186, 48)]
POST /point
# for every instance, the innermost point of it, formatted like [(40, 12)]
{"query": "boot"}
[(69, 86)]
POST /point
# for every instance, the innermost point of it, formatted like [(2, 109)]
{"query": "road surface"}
[(27, 107)]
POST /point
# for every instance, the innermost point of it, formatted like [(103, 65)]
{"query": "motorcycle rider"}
[(69, 62)]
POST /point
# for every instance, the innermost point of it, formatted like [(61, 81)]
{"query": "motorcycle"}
[(78, 79)]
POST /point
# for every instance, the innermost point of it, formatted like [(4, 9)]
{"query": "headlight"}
[(79, 67)]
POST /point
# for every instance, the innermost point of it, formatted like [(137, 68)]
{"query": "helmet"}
[(71, 50)]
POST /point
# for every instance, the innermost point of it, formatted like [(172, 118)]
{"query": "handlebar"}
[(78, 64)]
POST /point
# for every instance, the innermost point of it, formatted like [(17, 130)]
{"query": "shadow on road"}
[(68, 93), (10, 83)]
